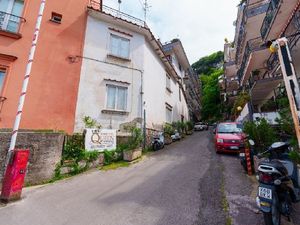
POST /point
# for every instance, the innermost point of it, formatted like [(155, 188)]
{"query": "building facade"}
[(52, 91), (126, 76), (255, 67)]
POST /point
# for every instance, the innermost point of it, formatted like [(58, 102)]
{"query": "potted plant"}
[(134, 149), (189, 127), (168, 132)]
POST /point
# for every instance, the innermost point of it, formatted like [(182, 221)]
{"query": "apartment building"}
[(258, 69), (127, 75), (52, 91)]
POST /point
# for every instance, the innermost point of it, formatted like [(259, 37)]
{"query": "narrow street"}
[(184, 184)]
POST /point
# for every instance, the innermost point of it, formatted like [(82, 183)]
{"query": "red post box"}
[(14, 176)]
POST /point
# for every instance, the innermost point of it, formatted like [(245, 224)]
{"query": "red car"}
[(229, 137)]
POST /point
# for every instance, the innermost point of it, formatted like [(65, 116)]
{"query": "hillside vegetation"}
[(209, 69)]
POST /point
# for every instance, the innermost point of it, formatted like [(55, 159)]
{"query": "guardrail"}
[(269, 18), (97, 5), (10, 23), (252, 45)]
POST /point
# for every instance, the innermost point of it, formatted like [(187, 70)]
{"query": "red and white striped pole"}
[(25, 83)]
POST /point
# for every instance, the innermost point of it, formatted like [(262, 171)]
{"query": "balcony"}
[(252, 15), (97, 5), (10, 24), (269, 18), (253, 45)]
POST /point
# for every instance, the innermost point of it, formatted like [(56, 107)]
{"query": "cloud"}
[(201, 25)]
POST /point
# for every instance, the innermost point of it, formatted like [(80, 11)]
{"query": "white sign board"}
[(100, 140)]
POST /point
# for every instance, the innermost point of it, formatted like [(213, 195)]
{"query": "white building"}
[(124, 72)]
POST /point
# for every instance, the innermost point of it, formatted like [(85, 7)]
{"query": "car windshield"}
[(230, 128)]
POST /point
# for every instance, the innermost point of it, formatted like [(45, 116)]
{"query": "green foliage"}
[(135, 139), (112, 156), (115, 165), (74, 148), (207, 64), (189, 125), (242, 99), (295, 156), (261, 132), (90, 122), (169, 129), (211, 101)]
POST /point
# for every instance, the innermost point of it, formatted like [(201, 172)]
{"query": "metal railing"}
[(97, 5), (254, 44), (10, 23), (273, 8), (248, 12)]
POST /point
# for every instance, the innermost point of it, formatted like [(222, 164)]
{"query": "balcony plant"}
[(134, 150)]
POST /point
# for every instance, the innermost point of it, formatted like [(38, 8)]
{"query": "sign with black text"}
[(100, 140)]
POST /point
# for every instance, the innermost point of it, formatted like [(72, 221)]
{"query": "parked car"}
[(200, 126), (229, 137)]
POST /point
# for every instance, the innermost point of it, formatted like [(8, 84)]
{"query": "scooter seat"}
[(276, 164)]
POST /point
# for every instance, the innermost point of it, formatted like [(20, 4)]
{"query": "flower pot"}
[(168, 139), (131, 155)]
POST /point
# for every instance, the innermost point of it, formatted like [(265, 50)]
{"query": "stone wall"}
[(45, 153)]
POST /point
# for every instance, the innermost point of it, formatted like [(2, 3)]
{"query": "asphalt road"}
[(184, 184)]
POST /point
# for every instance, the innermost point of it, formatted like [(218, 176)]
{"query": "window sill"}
[(118, 57), (116, 112), (169, 90), (10, 34)]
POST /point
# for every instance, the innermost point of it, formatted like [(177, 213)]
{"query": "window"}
[(56, 18), (119, 46), (168, 114), (116, 98), (2, 78), (11, 10), (168, 82)]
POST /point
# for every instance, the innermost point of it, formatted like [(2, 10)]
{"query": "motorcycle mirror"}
[(251, 142)]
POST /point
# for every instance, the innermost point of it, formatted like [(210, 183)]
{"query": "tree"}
[(207, 64)]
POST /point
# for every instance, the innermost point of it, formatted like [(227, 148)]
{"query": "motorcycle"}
[(279, 184), (158, 141)]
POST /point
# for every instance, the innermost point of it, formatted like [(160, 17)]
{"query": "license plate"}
[(265, 193), (242, 154), (234, 147)]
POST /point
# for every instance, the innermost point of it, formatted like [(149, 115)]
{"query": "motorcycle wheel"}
[(273, 218), (155, 146)]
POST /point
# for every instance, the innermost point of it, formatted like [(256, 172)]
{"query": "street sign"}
[(100, 139)]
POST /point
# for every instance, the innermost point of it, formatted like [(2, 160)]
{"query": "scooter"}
[(279, 184), (158, 141)]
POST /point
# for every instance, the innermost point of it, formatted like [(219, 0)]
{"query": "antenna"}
[(146, 7), (119, 1)]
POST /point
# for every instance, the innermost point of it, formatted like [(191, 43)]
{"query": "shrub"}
[(169, 129), (261, 132), (74, 148), (135, 139), (90, 122), (189, 125)]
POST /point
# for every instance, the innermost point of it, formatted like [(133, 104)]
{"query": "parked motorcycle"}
[(158, 141), (279, 184)]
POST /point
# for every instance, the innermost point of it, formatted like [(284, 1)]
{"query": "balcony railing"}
[(97, 5), (248, 12), (10, 23), (269, 18), (254, 44)]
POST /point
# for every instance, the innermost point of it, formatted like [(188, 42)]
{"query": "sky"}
[(201, 25)]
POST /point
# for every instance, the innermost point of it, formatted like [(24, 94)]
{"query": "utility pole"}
[(119, 1), (146, 8)]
